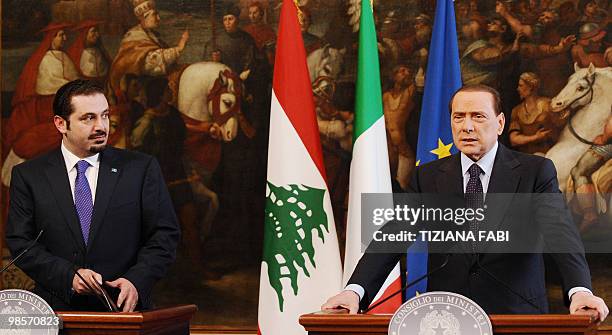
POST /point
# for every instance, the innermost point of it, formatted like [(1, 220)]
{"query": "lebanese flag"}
[(370, 171), (301, 265)]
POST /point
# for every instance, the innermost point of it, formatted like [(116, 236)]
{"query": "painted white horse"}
[(325, 61), (324, 66), (208, 92), (209, 96), (588, 96)]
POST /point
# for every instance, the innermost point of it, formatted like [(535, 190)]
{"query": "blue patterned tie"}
[(82, 198)]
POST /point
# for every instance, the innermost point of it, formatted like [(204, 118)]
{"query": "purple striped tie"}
[(82, 198)]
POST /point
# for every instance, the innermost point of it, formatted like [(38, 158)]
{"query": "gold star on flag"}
[(418, 162), (443, 150)]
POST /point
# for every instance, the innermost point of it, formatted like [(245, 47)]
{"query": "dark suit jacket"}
[(513, 172), (134, 231)]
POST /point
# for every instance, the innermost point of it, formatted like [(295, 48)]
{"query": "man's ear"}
[(502, 121), (60, 124)]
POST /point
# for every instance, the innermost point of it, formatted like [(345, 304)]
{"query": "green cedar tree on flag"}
[(301, 261)]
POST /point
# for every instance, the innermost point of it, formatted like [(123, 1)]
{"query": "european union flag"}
[(442, 79)]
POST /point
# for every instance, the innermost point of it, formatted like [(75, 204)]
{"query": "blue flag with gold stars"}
[(442, 79)]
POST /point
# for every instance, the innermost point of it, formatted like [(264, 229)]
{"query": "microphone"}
[(25, 251), (507, 287), (410, 284), (104, 297)]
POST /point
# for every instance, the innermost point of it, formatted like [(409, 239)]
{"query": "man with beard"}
[(102, 212), (490, 61), (28, 133), (88, 53), (590, 46), (141, 51), (481, 59), (548, 48)]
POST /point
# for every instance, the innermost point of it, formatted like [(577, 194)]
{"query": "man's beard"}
[(89, 44), (492, 34), (405, 82), (423, 35), (97, 148)]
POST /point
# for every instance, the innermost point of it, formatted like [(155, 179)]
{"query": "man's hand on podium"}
[(81, 287), (128, 297), (584, 301), (346, 299)]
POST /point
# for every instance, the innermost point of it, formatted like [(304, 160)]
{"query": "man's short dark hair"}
[(497, 108), (62, 103), (231, 9)]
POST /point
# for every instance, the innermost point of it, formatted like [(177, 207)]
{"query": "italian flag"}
[(301, 262), (370, 171)]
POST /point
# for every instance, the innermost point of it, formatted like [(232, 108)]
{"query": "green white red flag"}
[(370, 171)]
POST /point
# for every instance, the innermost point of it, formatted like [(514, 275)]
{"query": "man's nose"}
[(468, 125), (100, 124)]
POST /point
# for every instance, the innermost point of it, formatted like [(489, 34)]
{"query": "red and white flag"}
[(301, 262)]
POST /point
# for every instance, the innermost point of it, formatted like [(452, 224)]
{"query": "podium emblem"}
[(440, 313), (25, 313)]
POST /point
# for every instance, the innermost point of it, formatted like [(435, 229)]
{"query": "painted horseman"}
[(242, 165), (141, 51)]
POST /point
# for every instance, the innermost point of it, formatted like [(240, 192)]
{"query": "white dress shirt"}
[(92, 172), (486, 164)]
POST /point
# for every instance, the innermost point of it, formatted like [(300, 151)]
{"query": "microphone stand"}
[(23, 252)]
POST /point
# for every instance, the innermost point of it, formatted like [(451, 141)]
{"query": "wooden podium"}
[(172, 320), (324, 323)]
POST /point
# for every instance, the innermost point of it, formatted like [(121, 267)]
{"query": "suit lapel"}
[(58, 179), (108, 175), (451, 182), (504, 180)]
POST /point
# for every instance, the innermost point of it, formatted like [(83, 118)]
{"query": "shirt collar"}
[(485, 162), (71, 159)]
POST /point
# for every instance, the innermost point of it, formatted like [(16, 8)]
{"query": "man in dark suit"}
[(103, 211), (502, 283)]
